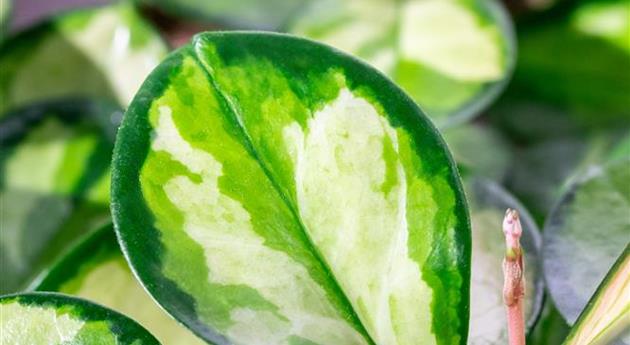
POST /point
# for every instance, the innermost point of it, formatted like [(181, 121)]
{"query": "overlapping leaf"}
[(267, 188), (606, 318), (47, 318), (452, 57), (585, 234), (96, 270), (103, 52), (54, 182)]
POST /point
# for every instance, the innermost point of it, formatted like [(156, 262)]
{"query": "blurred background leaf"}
[(54, 182)]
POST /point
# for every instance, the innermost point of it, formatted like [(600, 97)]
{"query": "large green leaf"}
[(453, 57), (606, 318), (103, 52), (96, 270), (269, 189), (585, 234), (49, 318), (54, 182), (488, 203)]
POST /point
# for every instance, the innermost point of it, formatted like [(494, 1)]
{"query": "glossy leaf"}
[(103, 52), (47, 318), (267, 187), (425, 46), (606, 318), (96, 270), (488, 202), (54, 173), (584, 235)]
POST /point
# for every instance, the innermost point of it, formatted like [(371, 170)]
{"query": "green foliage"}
[(54, 182), (282, 150), (48, 318)]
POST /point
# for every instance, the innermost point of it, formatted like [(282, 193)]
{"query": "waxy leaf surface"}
[(451, 56), (488, 202), (54, 182), (271, 190), (103, 52), (96, 270), (585, 234), (49, 318)]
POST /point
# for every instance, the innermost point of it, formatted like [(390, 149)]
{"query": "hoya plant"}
[(322, 186)]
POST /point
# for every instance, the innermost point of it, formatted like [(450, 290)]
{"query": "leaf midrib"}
[(248, 143)]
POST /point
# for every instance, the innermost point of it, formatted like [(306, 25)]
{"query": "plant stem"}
[(514, 279)]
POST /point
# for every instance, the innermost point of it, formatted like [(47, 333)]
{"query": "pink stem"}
[(514, 279)]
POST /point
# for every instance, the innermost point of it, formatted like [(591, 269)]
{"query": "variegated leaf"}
[(271, 190), (606, 318), (452, 57), (102, 52), (54, 174), (96, 270), (48, 318)]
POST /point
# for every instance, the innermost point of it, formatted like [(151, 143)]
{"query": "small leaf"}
[(102, 52), (50, 318), (606, 317), (54, 174), (425, 46), (96, 270), (488, 202), (584, 235), (266, 188)]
